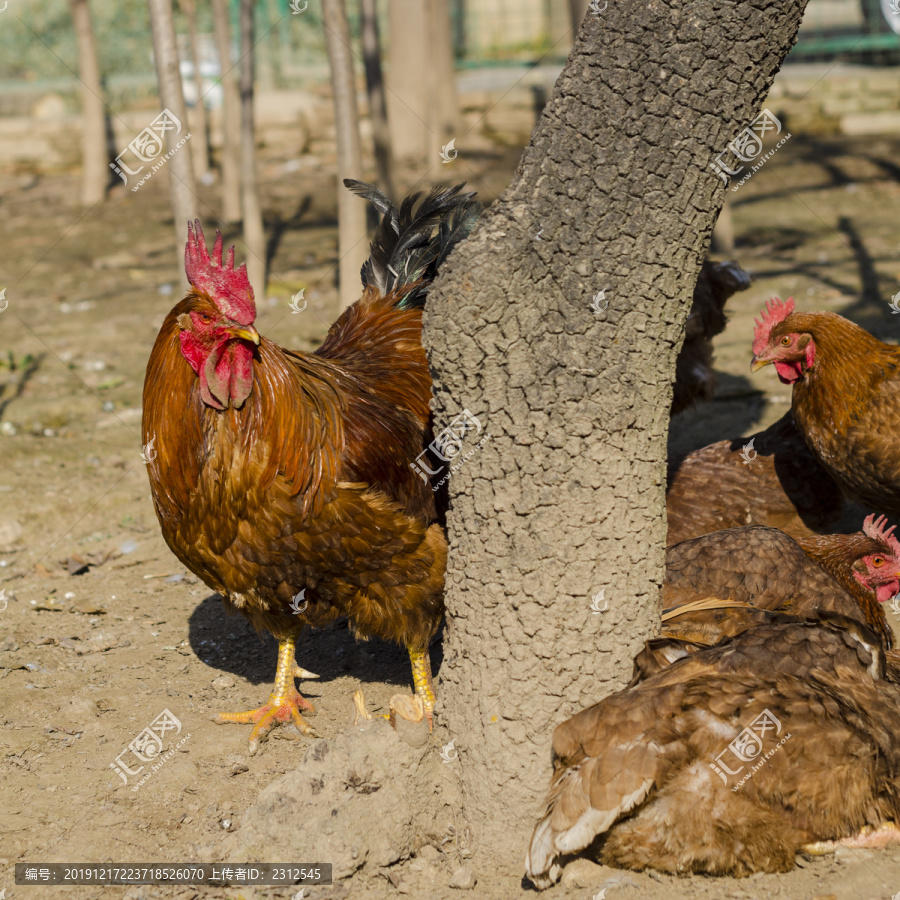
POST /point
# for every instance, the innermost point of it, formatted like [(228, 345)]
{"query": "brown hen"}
[(284, 480), (730, 761), (771, 478), (762, 569), (846, 397)]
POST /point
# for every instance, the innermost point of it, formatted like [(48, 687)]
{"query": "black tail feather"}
[(411, 243)]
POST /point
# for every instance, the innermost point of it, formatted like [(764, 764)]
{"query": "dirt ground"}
[(102, 629)]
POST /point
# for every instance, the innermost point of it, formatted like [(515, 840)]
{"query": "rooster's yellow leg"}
[(284, 703), (421, 670)]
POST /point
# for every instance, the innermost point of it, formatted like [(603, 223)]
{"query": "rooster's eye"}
[(877, 561), (204, 318), (785, 342)]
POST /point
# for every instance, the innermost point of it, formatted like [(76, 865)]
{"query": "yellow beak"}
[(245, 332), (758, 363)]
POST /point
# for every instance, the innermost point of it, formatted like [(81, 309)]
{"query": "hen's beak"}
[(759, 362), (245, 332)]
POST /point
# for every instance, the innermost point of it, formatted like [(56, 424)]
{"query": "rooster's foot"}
[(280, 710), (421, 669), (285, 702), (885, 834)]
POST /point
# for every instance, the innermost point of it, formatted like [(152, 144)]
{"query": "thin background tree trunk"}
[(381, 132), (443, 105), (408, 79), (352, 246), (254, 236), (180, 166), (567, 497), (231, 117), (200, 140), (94, 163)]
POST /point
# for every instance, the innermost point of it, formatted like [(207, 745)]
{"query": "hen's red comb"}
[(227, 287), (874, 528), (776, 311)]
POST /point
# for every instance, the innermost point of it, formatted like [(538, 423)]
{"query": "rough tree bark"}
[(352, 246), (381, 134), (94, 168), (251, 213), (200, 141), (180, 166), (566, 498), (231, 117)]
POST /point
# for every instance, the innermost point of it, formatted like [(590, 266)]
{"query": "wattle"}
[(227, 376), (788, 373)]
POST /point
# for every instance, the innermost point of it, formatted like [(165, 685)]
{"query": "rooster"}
[(695, 378), (725, 580), (732, 760), (846, 397), (282, 474)]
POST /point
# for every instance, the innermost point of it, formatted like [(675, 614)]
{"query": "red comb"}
[(227, 287), (776, 311), (874, 528)]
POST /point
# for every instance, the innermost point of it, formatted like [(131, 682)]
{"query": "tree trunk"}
[(352, 246), (443, 122), (94, 168), (409, 78), (566, 499), (200, 141), (182, 186), (254, 236), (381, 134), (577, 10), (231, 117)]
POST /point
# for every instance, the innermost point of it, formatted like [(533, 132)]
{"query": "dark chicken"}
[(732, 760), (695, 378), (846, 397), (776, 481), (282, 475), (849, 574)]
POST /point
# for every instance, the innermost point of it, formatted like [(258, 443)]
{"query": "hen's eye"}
[(204, 318), (877, 561), (785, 342)]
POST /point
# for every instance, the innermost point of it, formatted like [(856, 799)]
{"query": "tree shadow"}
[(31, 366)]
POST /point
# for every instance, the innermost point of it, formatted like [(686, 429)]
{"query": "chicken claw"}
[(285, 701)]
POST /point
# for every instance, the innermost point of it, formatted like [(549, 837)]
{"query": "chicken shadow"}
[(229, 643)]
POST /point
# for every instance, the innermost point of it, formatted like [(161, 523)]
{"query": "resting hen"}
[(775, 481), (695, 378), (765, 569), (846, 397), (284, 480), (730, 761)]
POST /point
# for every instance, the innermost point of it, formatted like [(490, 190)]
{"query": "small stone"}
[(463, 879), (582, 873), (429, 853), (8, 645), (222, 683)]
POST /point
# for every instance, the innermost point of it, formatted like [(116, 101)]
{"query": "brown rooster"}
[(846, 397), (771, 478), (695, 378), (731, 761), (764, 569), (284, 480)]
